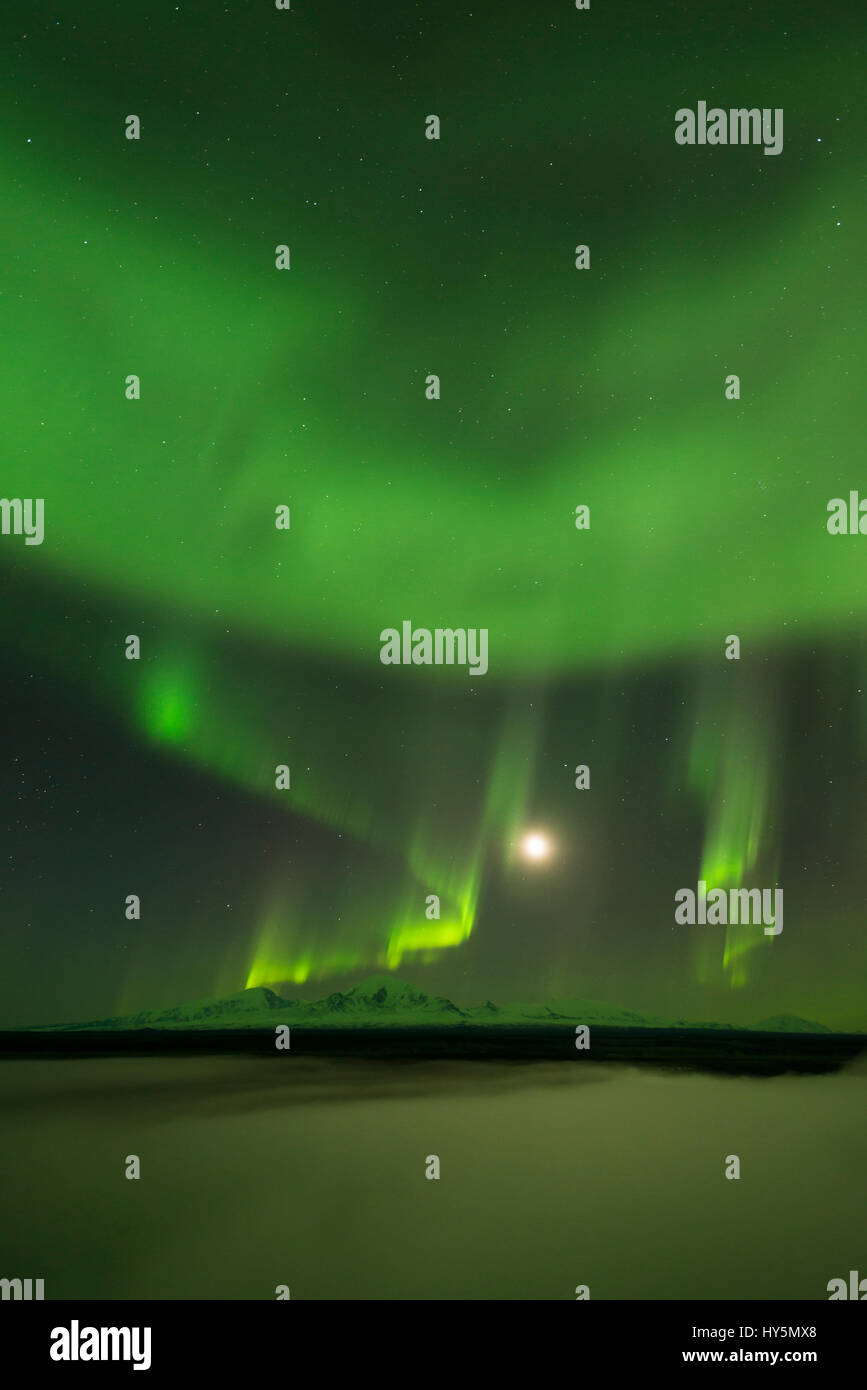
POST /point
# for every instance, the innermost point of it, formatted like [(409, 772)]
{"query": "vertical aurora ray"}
[(733, 763), (276, 954), (457, 875)]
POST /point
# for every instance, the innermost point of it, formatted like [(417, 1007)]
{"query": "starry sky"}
[(305, 388)]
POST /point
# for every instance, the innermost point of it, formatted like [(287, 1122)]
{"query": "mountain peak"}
[(789, 1023), (389, 986), (385, 994)]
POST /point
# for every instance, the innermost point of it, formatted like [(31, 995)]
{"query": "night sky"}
[(305, 388)]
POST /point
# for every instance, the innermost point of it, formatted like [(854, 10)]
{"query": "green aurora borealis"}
[(305, 388)]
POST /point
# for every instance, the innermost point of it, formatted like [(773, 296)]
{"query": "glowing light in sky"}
[(535, 846)]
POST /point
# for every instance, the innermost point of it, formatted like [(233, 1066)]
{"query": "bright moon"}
[(535, 846)]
